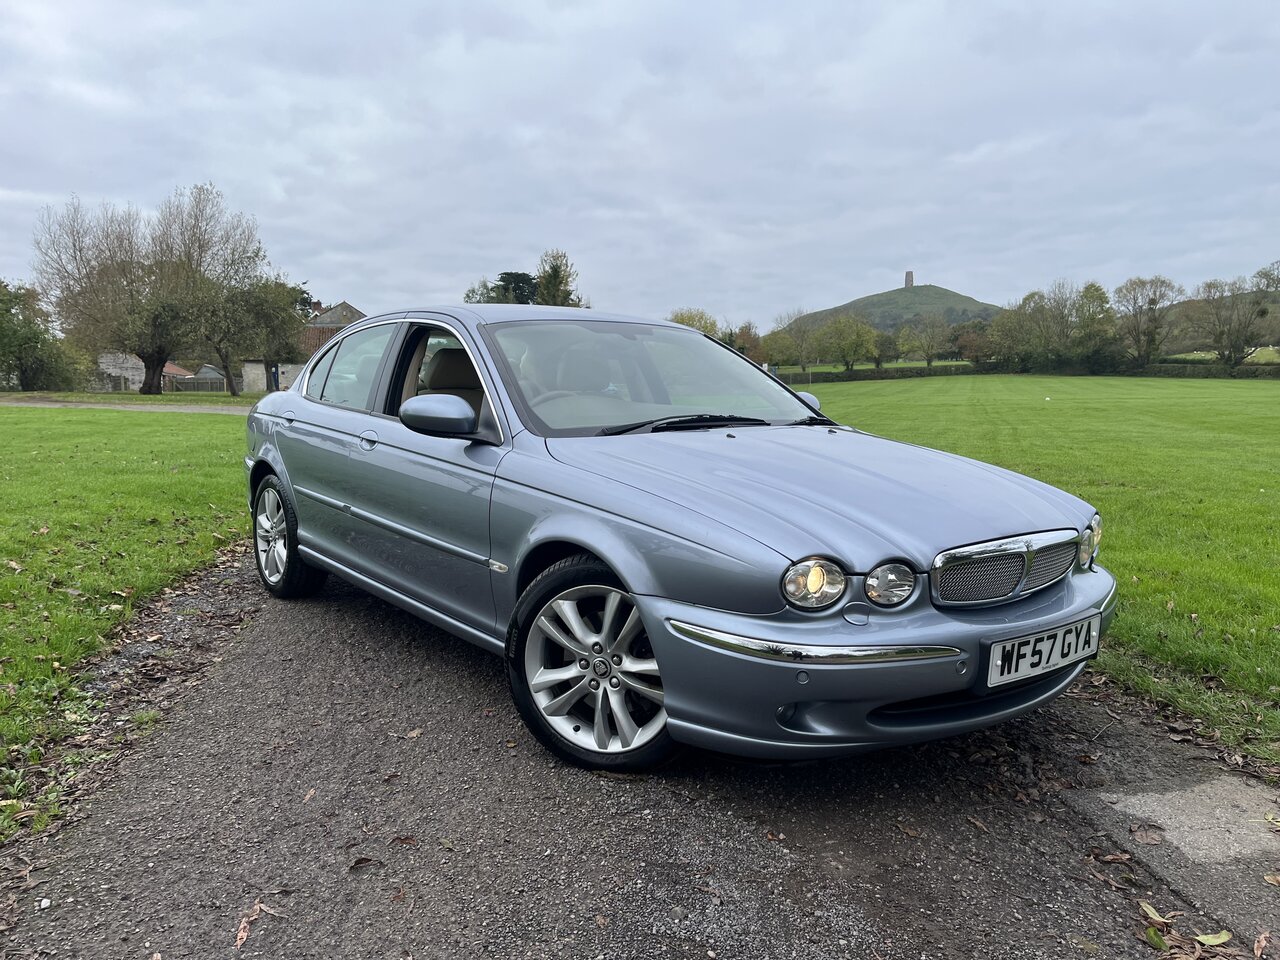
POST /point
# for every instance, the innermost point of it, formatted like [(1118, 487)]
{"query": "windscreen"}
[(583, 377)]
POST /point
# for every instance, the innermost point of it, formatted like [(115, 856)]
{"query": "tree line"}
[(193, 275), (1065, 327)]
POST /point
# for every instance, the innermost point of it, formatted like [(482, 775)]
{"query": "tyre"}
[(582, 671), (275, 544)]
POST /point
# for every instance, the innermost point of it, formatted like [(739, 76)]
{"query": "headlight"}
[(813, 583), (1090, 540), (890, 584)]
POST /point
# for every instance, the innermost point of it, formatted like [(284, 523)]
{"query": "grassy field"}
[(190, 399), (102, 507), (1186, 475)]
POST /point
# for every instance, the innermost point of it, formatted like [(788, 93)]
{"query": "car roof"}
[(478, 314)]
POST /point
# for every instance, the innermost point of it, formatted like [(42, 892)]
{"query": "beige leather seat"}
[(450, 371)]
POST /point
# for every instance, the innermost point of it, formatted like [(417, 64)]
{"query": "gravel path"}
[(364, 779)]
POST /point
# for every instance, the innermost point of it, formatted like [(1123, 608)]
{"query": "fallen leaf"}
[(360, 863), (310, 793), (1273, 879), (14, 566), (511, 744), (1147, 834), (1260, 944), (447, 844), (910, 831), (777, 837), (1154, 938), (398, 896), (1088, 758), (1150, 911), (405, 841), (979, 824), (1214, 939), (601, 920), (413, 734)]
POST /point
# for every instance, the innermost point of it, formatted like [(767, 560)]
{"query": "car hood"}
[(812, 490)]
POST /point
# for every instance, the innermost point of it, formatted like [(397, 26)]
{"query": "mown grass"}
[(101, 508), (192, 398), (1186, 475)]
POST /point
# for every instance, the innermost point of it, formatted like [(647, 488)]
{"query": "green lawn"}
[(1186, 475), (190, 398), (102, 508)]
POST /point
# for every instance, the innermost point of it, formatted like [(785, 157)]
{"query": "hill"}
[(889, 310)]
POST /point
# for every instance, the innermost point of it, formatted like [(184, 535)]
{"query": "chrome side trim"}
[(807, 653), (1028, 544)]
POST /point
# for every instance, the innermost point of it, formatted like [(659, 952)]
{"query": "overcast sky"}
[(745, 158)]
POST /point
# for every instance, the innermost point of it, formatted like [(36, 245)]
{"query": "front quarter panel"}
[(656, 547)]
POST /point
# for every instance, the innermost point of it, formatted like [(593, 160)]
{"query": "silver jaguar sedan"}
[(666, 544)]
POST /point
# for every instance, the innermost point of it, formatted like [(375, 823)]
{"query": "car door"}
[(423, 501), (320, 433)]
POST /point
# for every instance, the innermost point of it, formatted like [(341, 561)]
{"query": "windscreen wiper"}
[(815, 420), (693, 421)]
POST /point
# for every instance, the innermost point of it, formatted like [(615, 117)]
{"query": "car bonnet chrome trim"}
[(1027, 544), (808, 653)]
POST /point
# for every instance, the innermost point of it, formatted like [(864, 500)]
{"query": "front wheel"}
[(275, 544), (582, 671)]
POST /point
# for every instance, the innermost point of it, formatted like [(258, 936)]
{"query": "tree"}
[(886, 349), (746, 340), (479, 292), (557, 281), (275, 311), (928, 337), (1268, 278), (1229, 314), (696, 318), (803, 333), (149, 285), (1143, 306), (777, 348), (848, 338), (32, 357), (513, 286), (1094, 344), (969, 341)]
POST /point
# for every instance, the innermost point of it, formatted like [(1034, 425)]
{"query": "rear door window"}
[(355, 368)]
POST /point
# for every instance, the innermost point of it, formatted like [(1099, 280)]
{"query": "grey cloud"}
[(744, 158)]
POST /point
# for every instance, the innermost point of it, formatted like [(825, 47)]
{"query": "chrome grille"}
[(987, 578), (1049, 564), (1002, 570)]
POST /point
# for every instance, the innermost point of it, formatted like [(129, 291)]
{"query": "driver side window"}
[(434, 361)]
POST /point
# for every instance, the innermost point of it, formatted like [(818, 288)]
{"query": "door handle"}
[(368, 440), (287, 416)]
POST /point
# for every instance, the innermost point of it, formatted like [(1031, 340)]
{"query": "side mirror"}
[(439, 414), (810, 399)]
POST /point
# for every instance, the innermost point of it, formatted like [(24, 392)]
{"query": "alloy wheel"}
[(271, 535), (592, 672)]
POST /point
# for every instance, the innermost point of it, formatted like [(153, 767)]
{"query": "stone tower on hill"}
[(911, 279)]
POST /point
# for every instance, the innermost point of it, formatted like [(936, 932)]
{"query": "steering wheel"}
[(550, 395)]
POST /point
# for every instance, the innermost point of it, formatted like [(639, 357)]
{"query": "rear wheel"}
[(582, 671), (275, 544)]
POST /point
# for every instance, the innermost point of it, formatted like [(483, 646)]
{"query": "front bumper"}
[(829, 684)]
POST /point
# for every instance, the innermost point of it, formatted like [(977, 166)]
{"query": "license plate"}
[(1029, 656)]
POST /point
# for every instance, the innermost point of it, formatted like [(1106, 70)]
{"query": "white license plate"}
[(1029, 656)]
